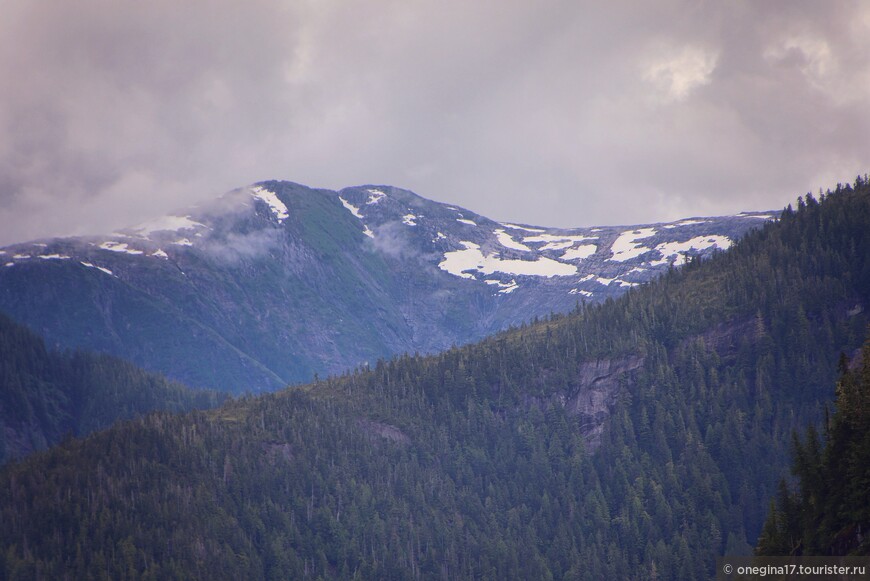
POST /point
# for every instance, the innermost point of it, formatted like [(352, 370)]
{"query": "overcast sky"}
[(559, 113)]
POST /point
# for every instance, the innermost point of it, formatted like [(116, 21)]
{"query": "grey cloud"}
[(558, 113)]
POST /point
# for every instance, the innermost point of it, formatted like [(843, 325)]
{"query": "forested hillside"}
[(637, 439), (45, 395), (829, 512)]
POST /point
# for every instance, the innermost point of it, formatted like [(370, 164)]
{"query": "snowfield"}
[(459, 262)]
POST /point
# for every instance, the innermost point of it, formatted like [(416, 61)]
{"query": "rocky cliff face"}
[(598, 384), (273, 283)]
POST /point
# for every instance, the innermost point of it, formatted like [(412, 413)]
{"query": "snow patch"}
[(625, 247), (685, 223), (440, 236), (466, 221), (159, 253), (54, 257), (368, 232), (579, 253), (458, 262), (677, 260), (10, 264), (576, 291), (516, 227), (351, 208), (604, 281), (375, 196), (556, 245), (20, 256), (119, 247), (106, 270), (408, 219), (759, 216), (507, 241), (506, 287), (182, 242), (558, 238), (168, 223), (697, 243), (271, 199)]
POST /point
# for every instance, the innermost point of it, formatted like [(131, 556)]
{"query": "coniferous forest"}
[(640, 438), (829, 512), (46, 395)]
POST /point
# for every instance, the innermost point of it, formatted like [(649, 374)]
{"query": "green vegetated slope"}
[(829, 512), (635, 439), (45, 395)]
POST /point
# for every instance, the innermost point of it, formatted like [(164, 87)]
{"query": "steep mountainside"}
[(45, 395), (639, 438), (272, 284)]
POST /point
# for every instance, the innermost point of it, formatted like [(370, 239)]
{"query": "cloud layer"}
[(561, 113)]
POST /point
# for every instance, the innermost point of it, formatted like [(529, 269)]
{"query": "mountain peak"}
[(275, 281)]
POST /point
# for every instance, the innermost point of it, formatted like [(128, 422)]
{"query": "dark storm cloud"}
[(557, 113)]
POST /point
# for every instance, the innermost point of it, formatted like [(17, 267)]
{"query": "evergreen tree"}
[(829, 513)]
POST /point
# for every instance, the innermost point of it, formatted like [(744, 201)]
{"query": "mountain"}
[(45, 395), (275, 283), (636, 438)]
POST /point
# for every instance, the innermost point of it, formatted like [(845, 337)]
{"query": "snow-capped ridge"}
[(517, 227), (447, 238), (279, 209)]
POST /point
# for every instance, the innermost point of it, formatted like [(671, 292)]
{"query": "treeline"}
[(45, 395), (512, 458), (829, 511)]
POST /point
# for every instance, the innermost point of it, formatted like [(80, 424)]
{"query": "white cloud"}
[(678, 72)]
